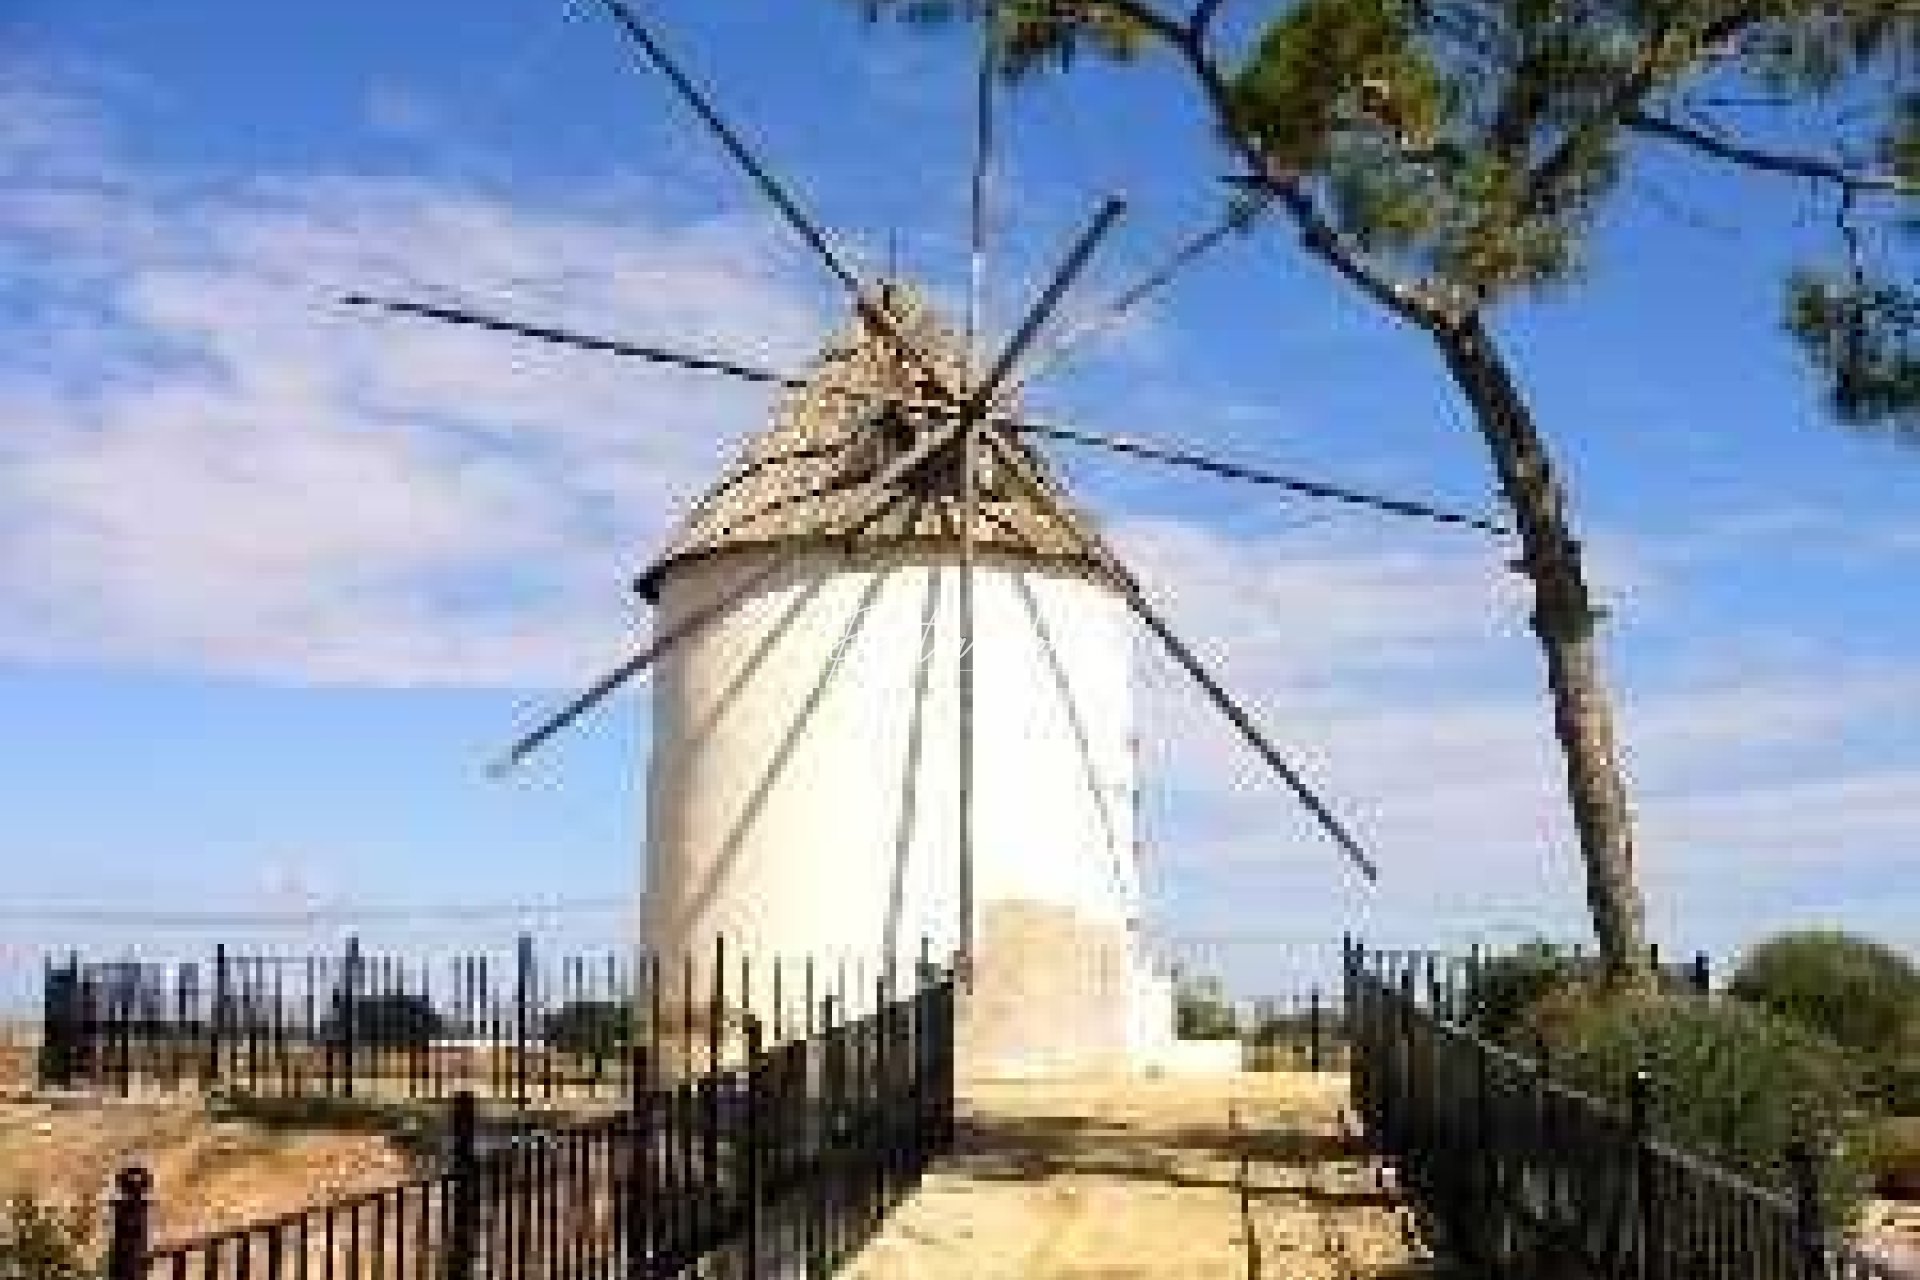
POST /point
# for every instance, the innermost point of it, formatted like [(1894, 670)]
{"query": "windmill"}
[(891, 654)]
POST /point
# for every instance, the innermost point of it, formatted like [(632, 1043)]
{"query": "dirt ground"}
[(1233, 1178), (207, 1174)]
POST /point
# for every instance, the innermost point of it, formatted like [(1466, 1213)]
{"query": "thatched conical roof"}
[(801, 478)]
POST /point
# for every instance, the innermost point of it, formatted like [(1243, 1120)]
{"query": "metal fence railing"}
[(1301, 1032), (781, 1163), (1521, 1175), (513, 1024)]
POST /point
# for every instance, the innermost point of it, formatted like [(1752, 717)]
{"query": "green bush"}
[(1858, 993), (42, 1242), (1896, 1158), (1502, 988), (1899, 1083), (1201, 1011), (384, 1020), (1730, 1080)]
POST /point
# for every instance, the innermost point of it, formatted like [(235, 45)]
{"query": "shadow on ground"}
[(1034, 1148)]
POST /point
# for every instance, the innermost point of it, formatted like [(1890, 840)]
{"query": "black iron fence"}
[(1521, 1175), (1305, 1031), (515, 1024), (780, 1164)]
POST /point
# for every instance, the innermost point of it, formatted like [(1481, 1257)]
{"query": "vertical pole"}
[(463, 1225), (1314, 1059), (59, 1023), (1488, 1215), (1652, 1251), (646, 1139), (349, 1015), (1470, 998), (752, 1139), (132, 1221), (522, 1015), (710, 1084), (1700, 974), (880, 1087), (969, 517), (1405, 1074), (1810, 1231), (216, 1016), (826, 1183)]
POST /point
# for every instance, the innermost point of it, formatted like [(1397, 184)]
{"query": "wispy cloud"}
[(1398, 672), (210, 465)]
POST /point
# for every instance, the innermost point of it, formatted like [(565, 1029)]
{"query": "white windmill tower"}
[(893, 695), (806, 741)]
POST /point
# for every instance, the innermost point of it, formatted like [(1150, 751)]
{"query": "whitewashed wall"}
[(787, 809)]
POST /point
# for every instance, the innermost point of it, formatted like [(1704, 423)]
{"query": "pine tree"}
[(1446, 157)]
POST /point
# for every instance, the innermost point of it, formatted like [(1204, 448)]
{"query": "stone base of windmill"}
[(1056, 992)]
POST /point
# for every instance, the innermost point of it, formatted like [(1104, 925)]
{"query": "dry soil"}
[(1177, 1179)]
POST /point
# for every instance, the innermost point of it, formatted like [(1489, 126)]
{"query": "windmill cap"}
[(802, 478)]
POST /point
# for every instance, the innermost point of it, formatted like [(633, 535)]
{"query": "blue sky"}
[(276, 582)]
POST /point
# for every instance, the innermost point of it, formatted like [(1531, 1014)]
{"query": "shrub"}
[(1896, 1158), (1858, 993), (1730, 1080), (591, 1028), (384, 1020), (1201, 1011), (41, 1242), (1862, 995), (1503, 988), (1899, 1083)]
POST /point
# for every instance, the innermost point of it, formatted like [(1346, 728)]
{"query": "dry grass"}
[(208, 1174)]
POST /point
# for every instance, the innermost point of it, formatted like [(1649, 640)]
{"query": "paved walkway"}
[(1241, 1178)]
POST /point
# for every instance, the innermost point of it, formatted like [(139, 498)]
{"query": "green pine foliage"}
[(1470, 147), (1864, 337)]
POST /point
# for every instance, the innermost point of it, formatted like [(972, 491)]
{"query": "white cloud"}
[(209, 464), (1399, 673)]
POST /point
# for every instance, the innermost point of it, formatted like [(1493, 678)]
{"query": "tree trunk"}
[(1565, 621)]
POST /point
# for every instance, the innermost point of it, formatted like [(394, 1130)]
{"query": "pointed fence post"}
[(1810, 1229), (1652, 1252), (60, 1023), (1489, 1217), (752, 1144), (132, 1224), (1700, 974), (522, 1016), (1406, 1112), (463, 1162), (350, 1018), (216, 1017), (1314, 1016)]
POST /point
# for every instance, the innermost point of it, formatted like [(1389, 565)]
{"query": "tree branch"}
[(1201, 20), (1317, 233), (1626, 99), (1787, 163)]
